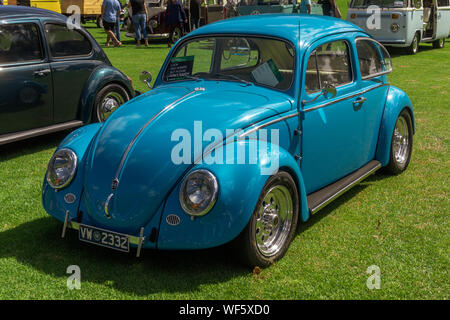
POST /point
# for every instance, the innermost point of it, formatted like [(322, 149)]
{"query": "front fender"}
[(396, 101), (239, 188), (100, 77), (52, 200)]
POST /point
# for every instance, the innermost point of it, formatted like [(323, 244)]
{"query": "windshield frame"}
[(231, 35)]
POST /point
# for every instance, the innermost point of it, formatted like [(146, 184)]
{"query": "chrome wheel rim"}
[(401, 141), (109, 104), (415, 44), (274, 221)]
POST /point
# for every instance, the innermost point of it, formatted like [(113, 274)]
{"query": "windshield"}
[(380, 3), (250, 60)]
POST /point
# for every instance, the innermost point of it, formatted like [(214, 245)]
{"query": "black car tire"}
[(439, 43), (111, 96), (246, 243), (414, 47), (401, 155)]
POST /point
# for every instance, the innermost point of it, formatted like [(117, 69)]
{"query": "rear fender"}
[(396, 101)]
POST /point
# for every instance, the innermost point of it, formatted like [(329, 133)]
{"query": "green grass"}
[(399, 223)]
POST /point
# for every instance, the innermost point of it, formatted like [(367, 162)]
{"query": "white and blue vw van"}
[(403, 23)]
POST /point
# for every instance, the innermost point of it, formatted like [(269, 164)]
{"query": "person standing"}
[(139, 18), (195, 12), (175, 17), (305, 6), (330, 8), (110, 14), (117, 26)]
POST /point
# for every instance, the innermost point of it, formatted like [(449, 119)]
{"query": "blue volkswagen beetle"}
[(253, 124)]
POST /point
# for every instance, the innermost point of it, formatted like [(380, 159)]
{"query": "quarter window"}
[(20, 43), (374, 60), (66, 42), (328, 64)]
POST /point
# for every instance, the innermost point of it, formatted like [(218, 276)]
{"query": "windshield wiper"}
[(192, 77), (232, 76)]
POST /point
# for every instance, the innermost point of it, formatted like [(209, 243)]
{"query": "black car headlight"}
[(61, 168), (198, 192)]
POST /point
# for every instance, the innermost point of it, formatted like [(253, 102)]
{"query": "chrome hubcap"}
[(401, 141), (110, 103), (274, 221)]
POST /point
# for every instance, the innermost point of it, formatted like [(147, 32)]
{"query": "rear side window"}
[(20, 43), (328, 64), (64, 42), (373, 59)]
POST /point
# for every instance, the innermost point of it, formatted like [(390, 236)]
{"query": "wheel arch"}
[(229, 217), (101, 77), (396, 102)]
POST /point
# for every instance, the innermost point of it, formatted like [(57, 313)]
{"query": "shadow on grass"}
[(38, 244), (29, 146)]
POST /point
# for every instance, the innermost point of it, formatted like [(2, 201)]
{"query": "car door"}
[(442, 19), (26, 93), (331, 126), (373, 63), (72, 63)]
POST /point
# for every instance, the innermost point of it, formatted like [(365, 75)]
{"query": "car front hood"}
[(135, 145)]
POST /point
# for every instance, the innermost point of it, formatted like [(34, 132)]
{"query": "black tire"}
[(108, 99), (439, 43), (414, 47), (99, 22), (246, 243), (400, 153)]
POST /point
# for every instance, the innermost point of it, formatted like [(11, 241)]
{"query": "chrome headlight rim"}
[(395, 27), (71, 173), (213, 198)]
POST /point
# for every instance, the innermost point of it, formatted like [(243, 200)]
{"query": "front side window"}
[(20, 43), (261, 61), (66, 42), (373, 58), (329, 64)]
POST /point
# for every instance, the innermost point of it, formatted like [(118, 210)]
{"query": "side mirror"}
[(146, 77), (328, 89)]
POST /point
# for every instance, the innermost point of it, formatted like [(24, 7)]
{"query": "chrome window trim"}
[(353, 78), (345, 97), (378, 73), (225, 35)]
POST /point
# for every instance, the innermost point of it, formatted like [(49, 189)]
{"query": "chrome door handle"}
[(359, 101), (41, 73)]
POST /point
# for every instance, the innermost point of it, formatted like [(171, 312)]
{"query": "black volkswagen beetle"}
[(52, 76)]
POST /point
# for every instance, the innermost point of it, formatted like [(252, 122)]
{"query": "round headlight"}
[(395, 27), (61, 168), (198, 192)]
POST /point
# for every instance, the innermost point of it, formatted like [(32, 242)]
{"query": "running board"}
[(319, 199), (12, 137)]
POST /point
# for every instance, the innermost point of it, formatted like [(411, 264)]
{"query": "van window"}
[(66, 42), (373, 59), (443, 3), (20, 43), (328, 64)]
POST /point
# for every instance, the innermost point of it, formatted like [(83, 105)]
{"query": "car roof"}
[(285, 26), (22, 11)]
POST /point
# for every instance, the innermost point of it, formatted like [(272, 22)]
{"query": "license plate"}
[(104, 238)]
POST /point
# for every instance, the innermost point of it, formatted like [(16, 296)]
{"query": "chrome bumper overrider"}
[(132, 239)]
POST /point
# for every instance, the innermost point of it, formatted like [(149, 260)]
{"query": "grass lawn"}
[(400, 224)]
